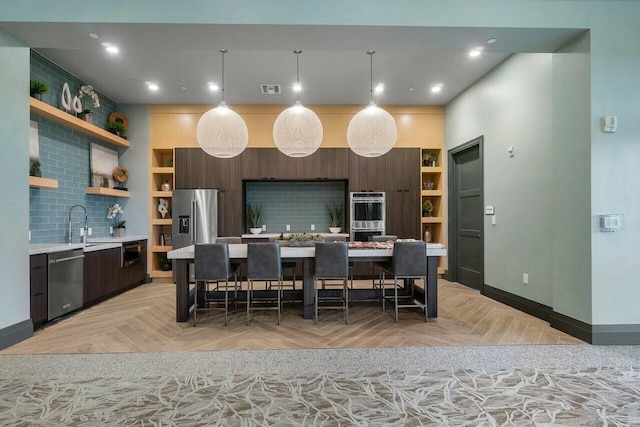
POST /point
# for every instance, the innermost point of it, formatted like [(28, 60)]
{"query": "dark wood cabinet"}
[(402, 169), (335, 162), (259, 163), (403, 213), (137, 273), (196, 169), (189, 168), (366, 173), (231, 219), (101, 275), (38, 288)]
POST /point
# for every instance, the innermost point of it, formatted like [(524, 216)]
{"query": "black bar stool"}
[(333, 238), (378, 266), (409, 262), (263, 264), (213, 266), (332, 262)]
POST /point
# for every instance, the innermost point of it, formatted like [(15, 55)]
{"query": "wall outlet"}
[(82, 232), (90, 231), (29, 235), (313, 227), (525, 278), (288, 227), (110, 230), (264, 227)]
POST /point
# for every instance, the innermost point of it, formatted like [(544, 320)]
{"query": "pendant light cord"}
[(223, 51), (298, 52), (371, 52)]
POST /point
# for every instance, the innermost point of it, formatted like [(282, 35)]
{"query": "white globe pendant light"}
[(297, 131), (372, 132), (221, 132)]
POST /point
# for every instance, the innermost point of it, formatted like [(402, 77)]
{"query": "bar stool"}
[(213, 266), (286, 265), (263, 264), (409, 262), (333, 238), (377, 266), (332, 262)]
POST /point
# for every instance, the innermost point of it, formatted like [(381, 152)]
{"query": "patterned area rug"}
[(520, 397)]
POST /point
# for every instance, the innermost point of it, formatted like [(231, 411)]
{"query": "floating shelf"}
[(431, 193), (37, 182), (431, 169), (162, 170), (431, 219), (107, 192), (162, 221), (162, 274), (56, 115), (159, 248), (161, 194)]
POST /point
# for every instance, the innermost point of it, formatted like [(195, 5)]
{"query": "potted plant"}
[(165, 263), (87, 91), (427, 208), (37, 88), (117, 128), (119, 228), (335, 217), (303, 239), (429, 158), (253, 217), (34, 170)]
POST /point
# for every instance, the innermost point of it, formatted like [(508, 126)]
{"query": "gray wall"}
[(14, 187), (511, 106)]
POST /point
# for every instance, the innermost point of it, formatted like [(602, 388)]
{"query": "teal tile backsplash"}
[(64, 155), (298, 204)]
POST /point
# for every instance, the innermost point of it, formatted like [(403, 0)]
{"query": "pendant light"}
[(221, 132), (372, 132), (297, 131)]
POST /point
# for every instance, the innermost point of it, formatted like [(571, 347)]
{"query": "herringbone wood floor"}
[(143, 320)]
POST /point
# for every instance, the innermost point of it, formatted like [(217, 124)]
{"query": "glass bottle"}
[(427, 235)]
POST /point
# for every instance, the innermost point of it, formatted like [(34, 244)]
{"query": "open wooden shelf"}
[(162, 274), (107, 192), (431, 220), (431, 169), (163, 194), (432, 193), (162, 170), (161, 221), (56, 115), (37, 182), (158, 248)]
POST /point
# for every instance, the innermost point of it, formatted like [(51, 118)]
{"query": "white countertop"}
[(116, 239), (240, 251), (51, 248), (276, 235)]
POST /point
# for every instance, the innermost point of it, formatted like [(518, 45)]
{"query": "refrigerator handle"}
[(194, 223)]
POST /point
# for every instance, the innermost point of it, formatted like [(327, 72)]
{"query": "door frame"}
[(452, 260)]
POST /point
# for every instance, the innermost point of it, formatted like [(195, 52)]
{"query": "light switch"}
[(264, 227), (288, 227), (611, 222), (313, 227)]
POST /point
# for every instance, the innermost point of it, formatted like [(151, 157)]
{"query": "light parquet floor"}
[(143, 320)]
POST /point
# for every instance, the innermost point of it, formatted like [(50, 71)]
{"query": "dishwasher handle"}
[(56, 261)]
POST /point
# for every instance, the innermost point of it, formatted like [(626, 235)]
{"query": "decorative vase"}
[(119, 232), (427, 236), (256, 230), (87, 117), (166, 186), (37, 96), (335, 230)]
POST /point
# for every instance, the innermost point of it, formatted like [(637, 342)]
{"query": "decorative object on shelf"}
[(297, 131), (372, 132), (165, 239), (117, 128), (163, 207), (166, 185), (427, 235), (119, 118), (89, 92), (303, 239), (103, 163), (73, 105), (34, 170), (169, 162), (221, 132), (335, 216), (253, 217), (427, 208), (163, 261), (119, 228), (105, 182), (37, 88), (429, 158), (120, 175), (427, 185)]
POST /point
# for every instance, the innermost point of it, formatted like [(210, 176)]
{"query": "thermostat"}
[(611, 222)]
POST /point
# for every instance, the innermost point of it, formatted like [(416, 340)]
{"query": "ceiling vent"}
[(271, 89)]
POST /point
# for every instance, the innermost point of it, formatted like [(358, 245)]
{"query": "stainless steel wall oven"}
[(367, 215)]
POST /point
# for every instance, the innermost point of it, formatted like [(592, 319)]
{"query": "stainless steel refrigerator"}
[(195, 217)]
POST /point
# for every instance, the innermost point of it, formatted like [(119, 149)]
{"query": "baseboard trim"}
[(616, 334), (15, 333), (571, 326), (533, 308)]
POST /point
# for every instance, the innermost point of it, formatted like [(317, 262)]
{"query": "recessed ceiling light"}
[(474, 53), (112, 49), (212, 86), (492, 40), (437, 88), (105, 44), (379, 87), (94, 35), (411, 89), (183, 87), (297, 87), (152, 86)]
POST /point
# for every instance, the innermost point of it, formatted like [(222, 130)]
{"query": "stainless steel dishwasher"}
[(65, 282)]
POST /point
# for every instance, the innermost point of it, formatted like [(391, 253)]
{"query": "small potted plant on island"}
[(427, 208), (253, 217), (303, 239), (34, 170), (335, 216), (37, 88)]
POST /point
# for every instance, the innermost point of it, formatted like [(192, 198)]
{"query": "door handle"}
[(55, 261), (193, 221)]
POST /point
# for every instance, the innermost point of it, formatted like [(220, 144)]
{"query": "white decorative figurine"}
[(163, 207)]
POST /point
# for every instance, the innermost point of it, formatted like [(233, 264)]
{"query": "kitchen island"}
[(184, 256)]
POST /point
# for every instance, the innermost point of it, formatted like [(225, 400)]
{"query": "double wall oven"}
[(367, 215)]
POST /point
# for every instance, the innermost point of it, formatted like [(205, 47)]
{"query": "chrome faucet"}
[(86, 224)]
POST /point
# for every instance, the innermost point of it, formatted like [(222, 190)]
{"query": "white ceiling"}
[(334, 66)]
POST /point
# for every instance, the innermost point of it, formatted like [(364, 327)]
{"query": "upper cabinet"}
[(56, 115), (402, 169), (366, 173)]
